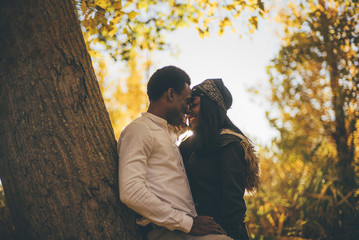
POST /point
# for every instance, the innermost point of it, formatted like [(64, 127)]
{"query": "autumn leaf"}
[(117, 5), (254, 22), (83, 7), (113, 31), (101, 3), (131, 15)]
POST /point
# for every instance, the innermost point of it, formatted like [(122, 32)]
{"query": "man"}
[(152, 178)]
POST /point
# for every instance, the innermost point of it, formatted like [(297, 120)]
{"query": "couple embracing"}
[(194, 191)]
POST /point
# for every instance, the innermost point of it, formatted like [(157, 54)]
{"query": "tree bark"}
[(58, 151)]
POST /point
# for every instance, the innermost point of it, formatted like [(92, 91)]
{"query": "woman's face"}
[(194, 112)]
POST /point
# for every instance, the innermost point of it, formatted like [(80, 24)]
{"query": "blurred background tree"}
[(125, 98), (310, 173)]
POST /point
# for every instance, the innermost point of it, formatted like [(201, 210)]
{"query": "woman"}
[(219, 159)]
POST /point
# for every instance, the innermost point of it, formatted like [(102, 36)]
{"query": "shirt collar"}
[(158, 120)]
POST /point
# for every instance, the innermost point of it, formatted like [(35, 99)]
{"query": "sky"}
[(240, 62)]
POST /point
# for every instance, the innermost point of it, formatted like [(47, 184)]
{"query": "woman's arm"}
[(233, 207)]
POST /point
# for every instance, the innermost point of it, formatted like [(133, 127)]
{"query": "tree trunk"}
[(345, 168), (58, 151)]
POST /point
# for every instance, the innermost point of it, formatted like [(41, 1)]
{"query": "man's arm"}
[(203, 225), (134, 148)]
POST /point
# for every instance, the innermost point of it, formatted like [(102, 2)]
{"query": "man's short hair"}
[(165, 78)]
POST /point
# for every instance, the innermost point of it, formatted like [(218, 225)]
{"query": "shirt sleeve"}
[(233, 206), (134, 149)]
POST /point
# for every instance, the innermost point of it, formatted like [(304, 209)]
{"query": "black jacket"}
[(217, 182)]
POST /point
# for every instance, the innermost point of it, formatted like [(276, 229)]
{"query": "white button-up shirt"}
[(152, 178)]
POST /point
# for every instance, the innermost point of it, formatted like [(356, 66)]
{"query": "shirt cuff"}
[(186, 224)]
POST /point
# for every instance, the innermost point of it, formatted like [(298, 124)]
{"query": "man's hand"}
[(203, 225)]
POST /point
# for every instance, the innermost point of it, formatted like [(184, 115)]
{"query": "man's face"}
[(180, 101)]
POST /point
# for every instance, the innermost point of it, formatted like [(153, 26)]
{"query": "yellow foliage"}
[(112, 32), (101, 3), (117, 5), (142, 4), (314, 92), (125, 31), (83, 6), (253, 24), (104, 21), (131, 15), (125, 96)]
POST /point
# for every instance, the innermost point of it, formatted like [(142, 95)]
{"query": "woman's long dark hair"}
[(213, 119), (206, 139)]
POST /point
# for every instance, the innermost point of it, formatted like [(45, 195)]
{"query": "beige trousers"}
[(161, 233)]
